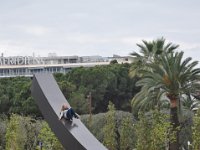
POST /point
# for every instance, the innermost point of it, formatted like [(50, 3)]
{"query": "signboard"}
[(20, 60)]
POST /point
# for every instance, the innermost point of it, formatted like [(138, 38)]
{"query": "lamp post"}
[(189, 144), (40, 145)]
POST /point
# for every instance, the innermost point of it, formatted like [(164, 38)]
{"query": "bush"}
[(153, 131), (22, 132), (196, 131), (48, 138), (98, 123), (3, 124), (15, 133)]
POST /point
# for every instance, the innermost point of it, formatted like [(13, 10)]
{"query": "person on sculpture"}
[(68, 113)]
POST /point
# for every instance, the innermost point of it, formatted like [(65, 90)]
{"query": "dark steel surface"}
[(73, 135)]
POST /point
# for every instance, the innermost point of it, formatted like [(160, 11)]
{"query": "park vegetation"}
[(149, 104)]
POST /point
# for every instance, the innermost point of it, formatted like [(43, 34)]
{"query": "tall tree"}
[(126, 134), (111, 135), (15, 133), (3, 125), (149, 53), (48, 138), (196, 131), (152, 131), (171, 78)]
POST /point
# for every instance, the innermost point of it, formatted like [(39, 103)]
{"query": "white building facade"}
[(28, 65)]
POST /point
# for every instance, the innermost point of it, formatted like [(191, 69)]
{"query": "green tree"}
[(67, 88), (48, 138), (196, 131), (22, 133), (32, 128), (110, 132), (114, 61), (79, 102), (153, 131), (172, 78), (99, 121), (15, 134), (3, 125), (149, 53), (5, 95), (110, 82), (16, 96), (160, 135), (126, 134), (22, 100), (142, 130)]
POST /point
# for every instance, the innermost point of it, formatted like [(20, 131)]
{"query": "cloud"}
[(84, 39), (133, 40), (95, 27), (188, 45), (10, 48), (35, 30)]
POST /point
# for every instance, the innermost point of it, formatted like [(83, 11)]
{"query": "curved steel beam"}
[(72, 135)]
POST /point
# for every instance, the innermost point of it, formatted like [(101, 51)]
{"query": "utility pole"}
[(90, 107)]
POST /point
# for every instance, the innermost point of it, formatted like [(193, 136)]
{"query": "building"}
[(28, 65)]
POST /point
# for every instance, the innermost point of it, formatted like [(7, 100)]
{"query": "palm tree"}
[(149, 53), (169, 79)]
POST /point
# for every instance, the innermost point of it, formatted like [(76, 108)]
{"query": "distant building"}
[(121, 59), (28, 65)]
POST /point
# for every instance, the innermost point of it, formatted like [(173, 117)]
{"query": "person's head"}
[(64, 107)]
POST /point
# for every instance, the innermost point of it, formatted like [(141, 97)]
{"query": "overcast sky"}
[(96, 27)]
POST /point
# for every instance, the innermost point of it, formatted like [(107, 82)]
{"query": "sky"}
[(91, 27)]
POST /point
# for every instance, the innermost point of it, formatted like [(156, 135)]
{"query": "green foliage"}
[(114, 61), (32, 128), (15, 134), (3, 124), (79, 102), (67, 88), (22, 133), (152, 131), (185, 134), (25, 132), (169, 81), (96, 125), (196, 131), (172, 78), (15, 96), (126, 134), (104, 82), (150, 51), (142, 129), (36, 130), (166, 80), (23, 102), (48, 138), (110, 129), (123, 119)]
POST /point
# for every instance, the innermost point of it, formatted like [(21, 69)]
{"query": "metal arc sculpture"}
[(72, 135)]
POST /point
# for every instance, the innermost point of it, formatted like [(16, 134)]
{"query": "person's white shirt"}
[(63, 114)]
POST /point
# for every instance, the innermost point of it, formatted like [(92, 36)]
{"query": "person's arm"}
[(61, 115), (77, 116), (74, 114)]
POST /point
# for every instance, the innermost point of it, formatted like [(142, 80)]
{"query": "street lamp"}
[(189, 144)]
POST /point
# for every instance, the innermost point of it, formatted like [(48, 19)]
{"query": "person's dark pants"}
[(70, 114)]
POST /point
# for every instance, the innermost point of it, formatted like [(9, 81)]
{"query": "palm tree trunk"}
[(174, 143)]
